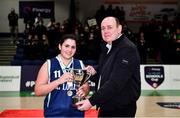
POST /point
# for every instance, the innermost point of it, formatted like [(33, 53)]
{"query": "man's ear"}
[(120, 28)]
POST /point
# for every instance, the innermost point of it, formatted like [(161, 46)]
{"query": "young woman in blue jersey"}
[(56, 82)]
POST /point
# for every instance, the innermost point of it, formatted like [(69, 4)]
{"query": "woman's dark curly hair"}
[(65, 37)]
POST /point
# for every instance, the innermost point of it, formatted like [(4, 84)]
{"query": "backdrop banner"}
[(160, 77), (46, 8), (10, 78), (28, 77)]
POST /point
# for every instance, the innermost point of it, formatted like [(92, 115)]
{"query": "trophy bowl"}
[(80, 77)]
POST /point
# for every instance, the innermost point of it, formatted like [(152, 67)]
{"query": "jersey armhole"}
[(81, 64), (49, 77), (48, 67)]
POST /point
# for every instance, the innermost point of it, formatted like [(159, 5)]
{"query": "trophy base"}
[(76, 99)]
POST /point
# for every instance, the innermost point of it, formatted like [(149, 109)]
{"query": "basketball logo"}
[(154, 75)]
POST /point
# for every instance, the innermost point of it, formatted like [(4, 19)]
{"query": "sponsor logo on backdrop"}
[(140, 12), (46, 8), (154, 75), (30, 84)]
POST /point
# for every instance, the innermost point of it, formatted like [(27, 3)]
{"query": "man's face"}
[(12, 10), (110, 30)]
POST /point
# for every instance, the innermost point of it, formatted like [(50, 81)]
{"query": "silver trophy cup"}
[(80, 77)]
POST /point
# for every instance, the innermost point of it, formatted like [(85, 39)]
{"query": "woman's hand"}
[(66, 77)]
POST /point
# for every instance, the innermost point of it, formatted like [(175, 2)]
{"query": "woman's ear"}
[(59, 47)]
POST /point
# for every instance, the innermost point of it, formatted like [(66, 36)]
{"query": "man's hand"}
[(83, 105), (90, 69), (83, 90)]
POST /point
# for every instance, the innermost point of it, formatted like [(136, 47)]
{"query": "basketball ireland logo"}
[(154, 75)]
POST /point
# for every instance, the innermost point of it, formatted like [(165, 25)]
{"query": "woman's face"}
[(68, 48)]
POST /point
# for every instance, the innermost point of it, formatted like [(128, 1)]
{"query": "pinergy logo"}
[(29, 83)]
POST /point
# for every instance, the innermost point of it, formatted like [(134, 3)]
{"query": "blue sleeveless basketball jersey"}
[(58, 103)]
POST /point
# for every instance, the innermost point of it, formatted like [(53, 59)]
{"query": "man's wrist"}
[(92, 101)]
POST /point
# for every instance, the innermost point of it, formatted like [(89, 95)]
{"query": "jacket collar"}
[(117, 41)]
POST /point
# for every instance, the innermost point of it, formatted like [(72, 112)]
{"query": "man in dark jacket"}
[(119, 85)]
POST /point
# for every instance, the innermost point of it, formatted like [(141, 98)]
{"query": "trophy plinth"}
[(80, 77)]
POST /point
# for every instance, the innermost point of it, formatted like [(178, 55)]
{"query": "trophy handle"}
[(85, 74), (86, 78)]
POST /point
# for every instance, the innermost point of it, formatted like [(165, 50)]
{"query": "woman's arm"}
[(42, 87)]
